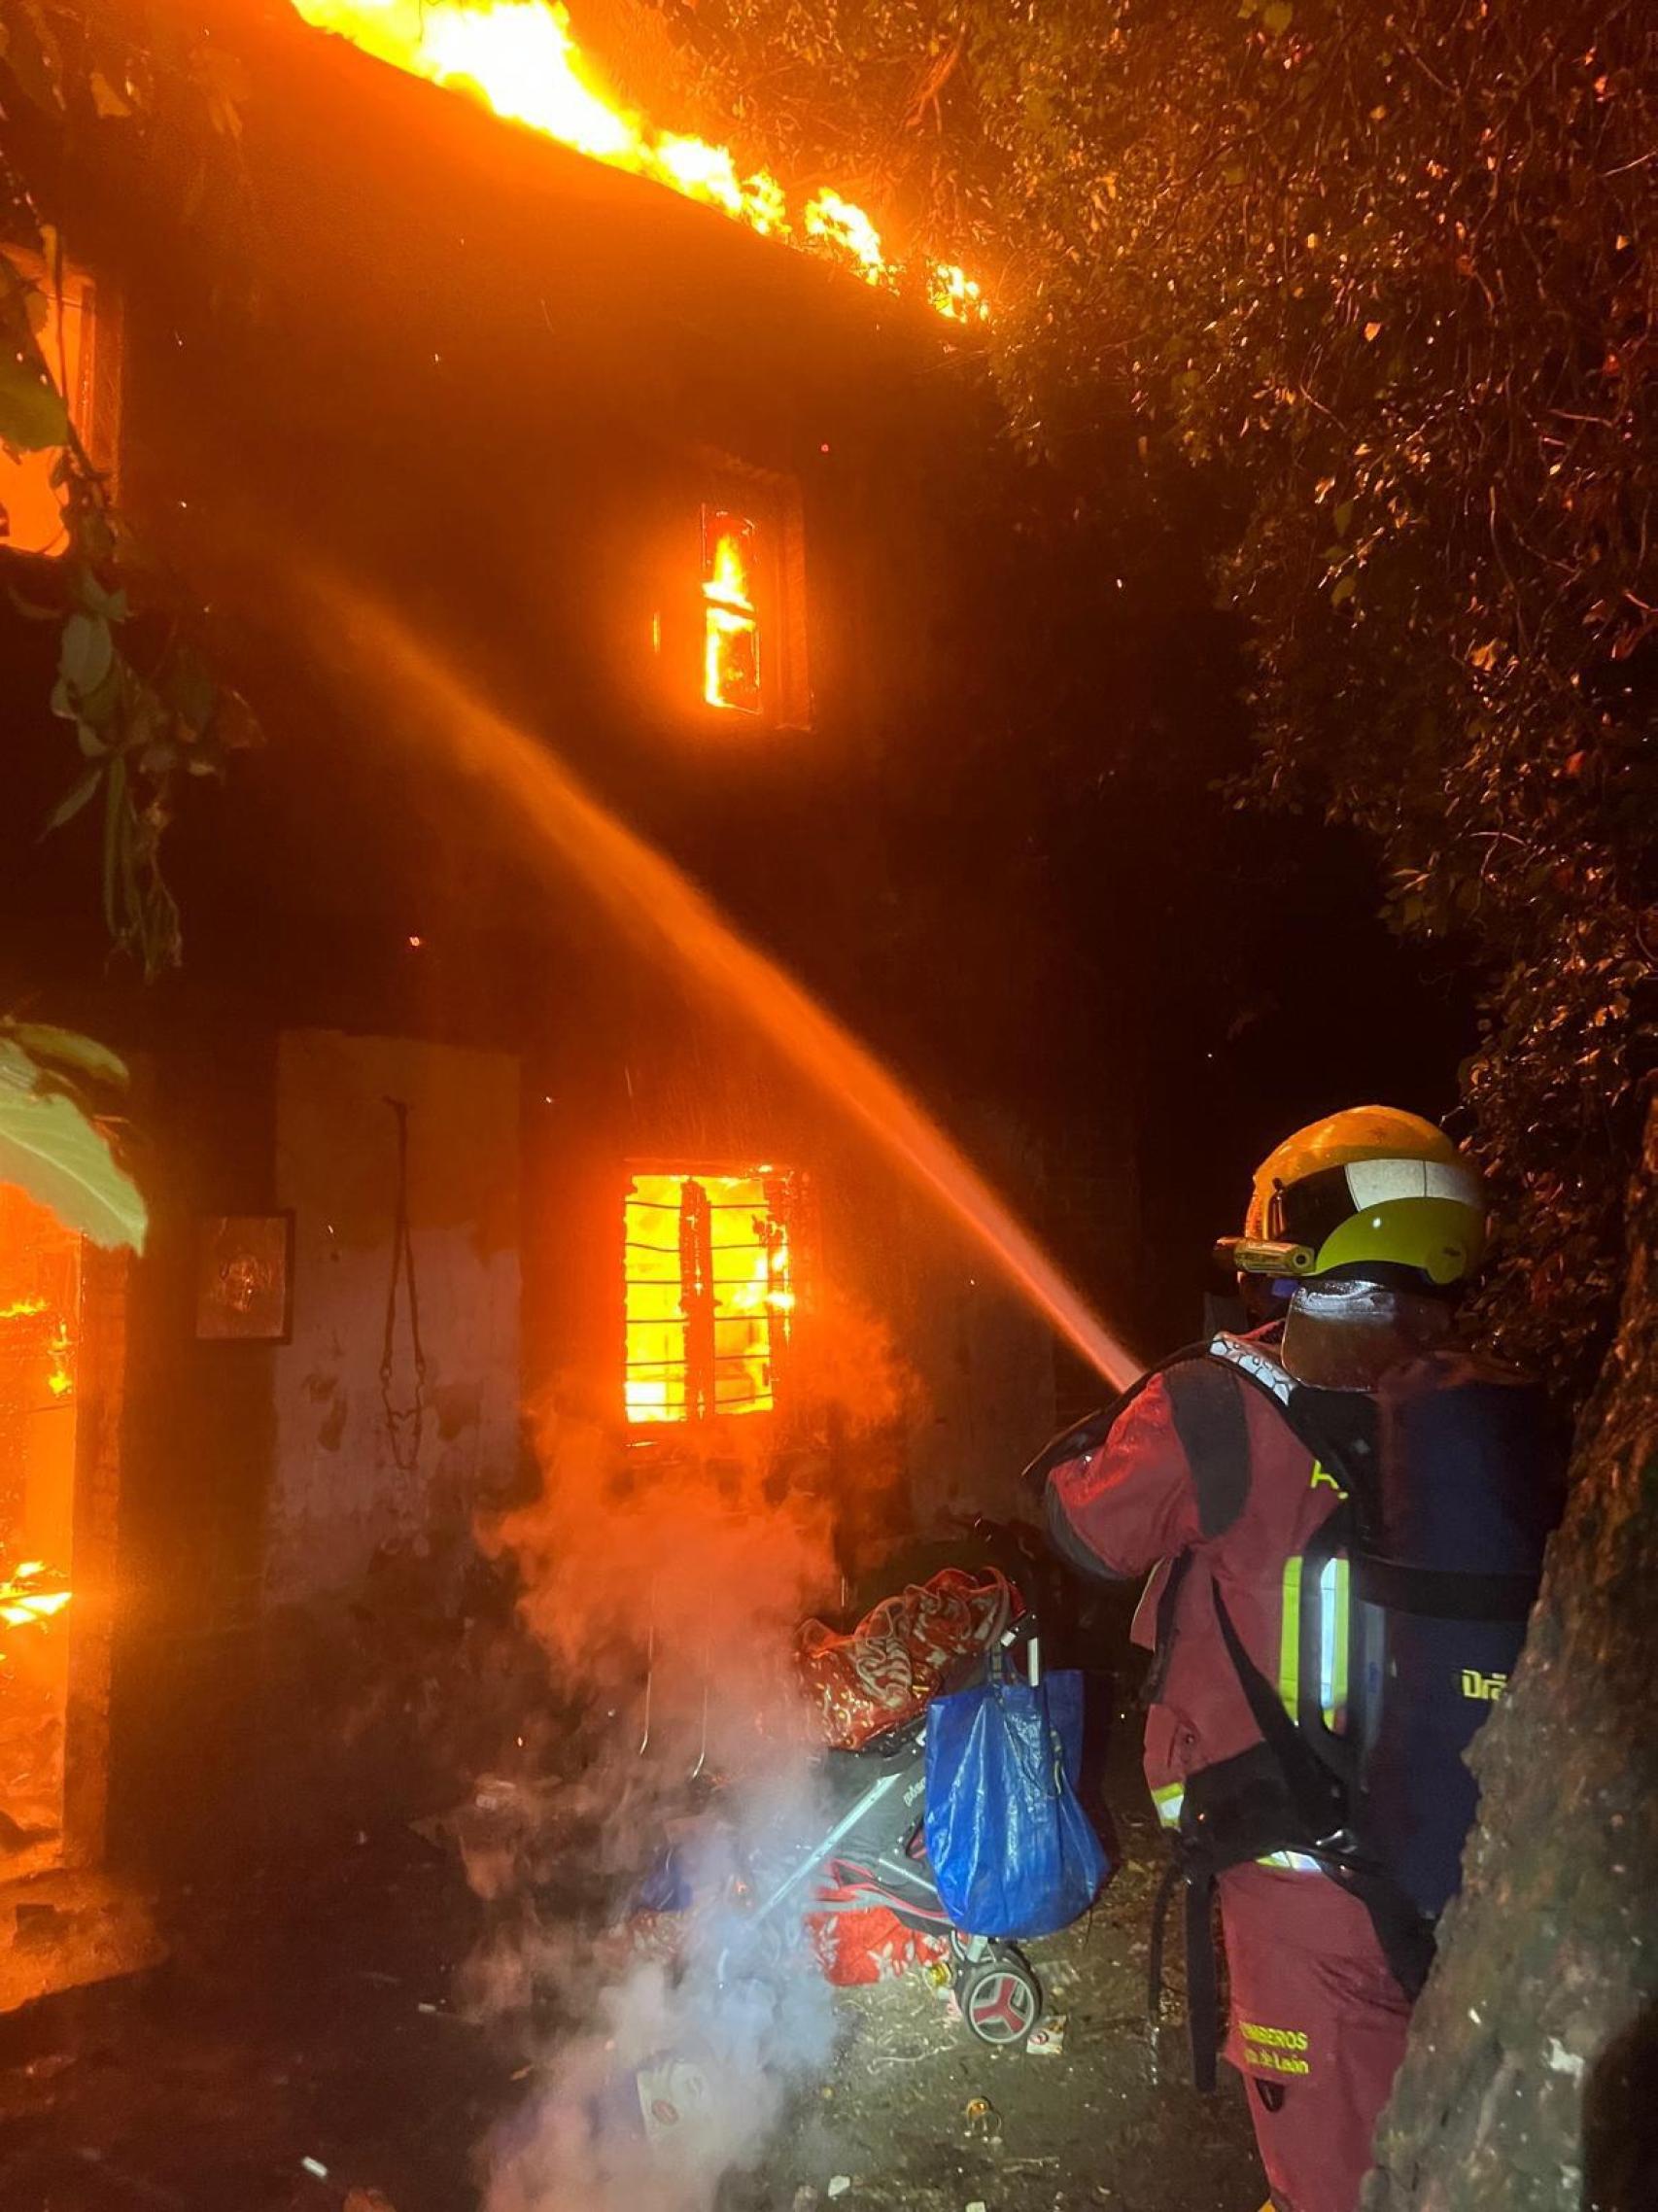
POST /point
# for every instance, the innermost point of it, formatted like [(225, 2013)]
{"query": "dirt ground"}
[(1090, 2126), (307, 2016)]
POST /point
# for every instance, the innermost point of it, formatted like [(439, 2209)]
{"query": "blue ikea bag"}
[(1013, 1851)]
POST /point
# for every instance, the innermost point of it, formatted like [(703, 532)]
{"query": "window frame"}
[(771, 501)]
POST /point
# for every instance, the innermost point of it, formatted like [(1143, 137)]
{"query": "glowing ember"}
[(731, 630), (32, 1594), (521, 60), (707, 1295)]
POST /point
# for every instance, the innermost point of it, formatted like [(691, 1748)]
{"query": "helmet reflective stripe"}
[(1292, 1862), (1377, 1181)]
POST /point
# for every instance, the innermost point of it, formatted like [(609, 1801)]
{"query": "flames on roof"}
[(520, 57)]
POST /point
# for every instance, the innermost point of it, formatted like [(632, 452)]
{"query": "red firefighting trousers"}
[(1317, 2029)]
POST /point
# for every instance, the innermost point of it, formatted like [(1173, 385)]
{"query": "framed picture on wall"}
[(244, 1278)]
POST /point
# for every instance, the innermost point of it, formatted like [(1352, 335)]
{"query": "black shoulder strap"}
[(1319, 1795), (1209, 1420), (1312, 1416), (1092, 1431), (1213, 1427), (1322, 1802), (1208, 1417)]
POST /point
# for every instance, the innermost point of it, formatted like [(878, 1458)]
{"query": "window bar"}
[(696, 1268)]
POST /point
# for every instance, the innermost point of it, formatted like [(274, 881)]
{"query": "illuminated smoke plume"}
[(667, 1592)]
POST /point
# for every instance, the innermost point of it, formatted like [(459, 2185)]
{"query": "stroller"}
[(872, 1853)]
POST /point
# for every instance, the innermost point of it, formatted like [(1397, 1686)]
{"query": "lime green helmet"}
[(1367, 1189)]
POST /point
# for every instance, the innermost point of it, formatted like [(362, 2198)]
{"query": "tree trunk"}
[(1531, 2084)]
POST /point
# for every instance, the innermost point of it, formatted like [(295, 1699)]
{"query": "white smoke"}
[(662, 2049)]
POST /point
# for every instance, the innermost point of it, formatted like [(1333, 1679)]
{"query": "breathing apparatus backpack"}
[(1410, 1611)]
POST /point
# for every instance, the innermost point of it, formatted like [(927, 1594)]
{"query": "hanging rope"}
[(404, 1424)]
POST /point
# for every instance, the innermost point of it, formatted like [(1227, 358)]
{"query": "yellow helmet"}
[(1368, 1187)]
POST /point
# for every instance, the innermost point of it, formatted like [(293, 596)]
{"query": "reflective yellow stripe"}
[(1334, 1591), (1168, 1800), (1289, 1639)]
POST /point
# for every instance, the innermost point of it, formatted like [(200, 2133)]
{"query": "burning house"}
[(432, 1143)]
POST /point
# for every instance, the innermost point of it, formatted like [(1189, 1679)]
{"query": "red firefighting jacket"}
[(1137, 1501)]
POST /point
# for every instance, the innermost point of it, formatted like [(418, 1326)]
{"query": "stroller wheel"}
[(1000, 2000)]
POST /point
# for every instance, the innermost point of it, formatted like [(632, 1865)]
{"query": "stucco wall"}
[(347, 1479)]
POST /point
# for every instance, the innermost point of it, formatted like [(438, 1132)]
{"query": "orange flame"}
[(521, 60), (731, 634), (60, 1380), (848, 231)]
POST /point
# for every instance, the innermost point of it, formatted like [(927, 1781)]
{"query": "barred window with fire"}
[(710, 1292)]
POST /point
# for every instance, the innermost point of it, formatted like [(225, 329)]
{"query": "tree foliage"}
[(132, 681), (52, 1145), (1386, 276), (1526, 2086)]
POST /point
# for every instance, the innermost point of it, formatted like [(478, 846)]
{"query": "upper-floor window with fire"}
[(731, 619), (710, 1292), (78, 344), (752, 604)]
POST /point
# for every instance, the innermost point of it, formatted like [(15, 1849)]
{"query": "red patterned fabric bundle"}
[(859, 1947), (901, 1654)]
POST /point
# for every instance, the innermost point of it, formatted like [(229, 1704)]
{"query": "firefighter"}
[(1234, 1473)]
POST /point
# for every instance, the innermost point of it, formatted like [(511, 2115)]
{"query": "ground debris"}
[(274, 2029), (982, 2122)]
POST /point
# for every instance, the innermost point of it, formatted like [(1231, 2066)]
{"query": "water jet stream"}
[(656, 902)]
